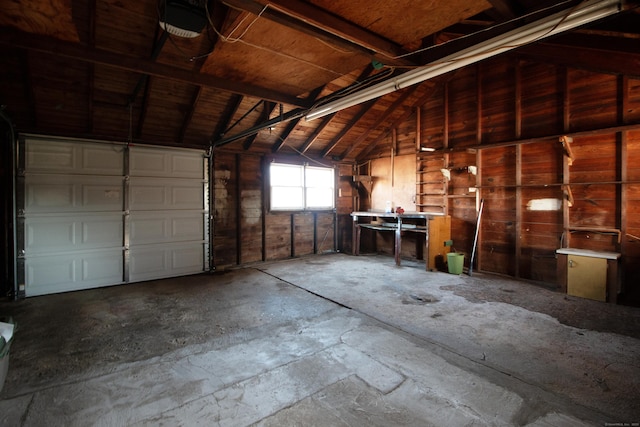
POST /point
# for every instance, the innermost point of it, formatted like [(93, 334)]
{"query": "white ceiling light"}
[(582, 14)]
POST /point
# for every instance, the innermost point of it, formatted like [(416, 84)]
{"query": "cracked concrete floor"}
[(325, 340)]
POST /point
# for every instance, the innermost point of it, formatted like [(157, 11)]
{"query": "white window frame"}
[(302, 186)]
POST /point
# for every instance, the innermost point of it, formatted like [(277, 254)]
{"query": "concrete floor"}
[(326, 340)]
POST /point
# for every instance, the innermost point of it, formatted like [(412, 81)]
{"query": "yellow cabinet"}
[(588, 274), (439, 232)]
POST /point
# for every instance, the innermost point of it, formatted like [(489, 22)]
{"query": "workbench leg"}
[(398, 245), (427, 253), (355, 242)]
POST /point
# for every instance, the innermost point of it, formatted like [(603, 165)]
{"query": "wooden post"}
[(398, 240), (518, 135)]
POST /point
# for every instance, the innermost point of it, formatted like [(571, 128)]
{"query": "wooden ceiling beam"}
[(77, 52), (317, 22)]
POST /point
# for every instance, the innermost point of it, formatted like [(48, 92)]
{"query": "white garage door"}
[(98, 214)]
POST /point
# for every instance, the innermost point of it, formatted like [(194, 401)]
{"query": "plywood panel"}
[(395, 183), (419, 18)]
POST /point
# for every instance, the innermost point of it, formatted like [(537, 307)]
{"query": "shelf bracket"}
[(568, 194), (566, 144)]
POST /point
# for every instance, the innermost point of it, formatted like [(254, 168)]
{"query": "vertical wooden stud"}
[(566, 170), (238, 211), (445, 143), (518, 135), (479, 103)]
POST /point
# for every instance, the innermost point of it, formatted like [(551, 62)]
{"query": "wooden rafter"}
[(76, 51), (399, 120), (316, 132), (189, 115), (266, 112), (392, 108), (292, 125), (326, 120), (219, 14), (232, 107), (364, 109)]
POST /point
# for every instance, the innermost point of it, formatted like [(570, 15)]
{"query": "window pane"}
[(286, 175), (286, 198), (319, 177), (319, 198)]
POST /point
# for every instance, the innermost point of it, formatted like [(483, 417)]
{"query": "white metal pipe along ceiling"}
[(584, 13)]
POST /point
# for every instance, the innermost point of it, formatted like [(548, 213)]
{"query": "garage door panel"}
[(148, 228), (80, 232), (73, 158), (73, 193), (62, 233), (153, 162), (165, 261), (72, 271), (164, 194)]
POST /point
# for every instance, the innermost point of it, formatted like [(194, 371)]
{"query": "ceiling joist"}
[(317, 22), (78, 52)]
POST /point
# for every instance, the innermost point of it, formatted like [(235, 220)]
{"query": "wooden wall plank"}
[(497, 101), (251, 208), (278, 238), (499, 215), (304, 233), (224, 210), (593, 99)]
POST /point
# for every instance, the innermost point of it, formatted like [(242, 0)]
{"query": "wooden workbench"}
[(394, 222)]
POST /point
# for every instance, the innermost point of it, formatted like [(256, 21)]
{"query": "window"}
[(301, 187)]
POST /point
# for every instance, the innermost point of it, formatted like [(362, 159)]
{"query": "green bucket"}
[(455, 262)]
